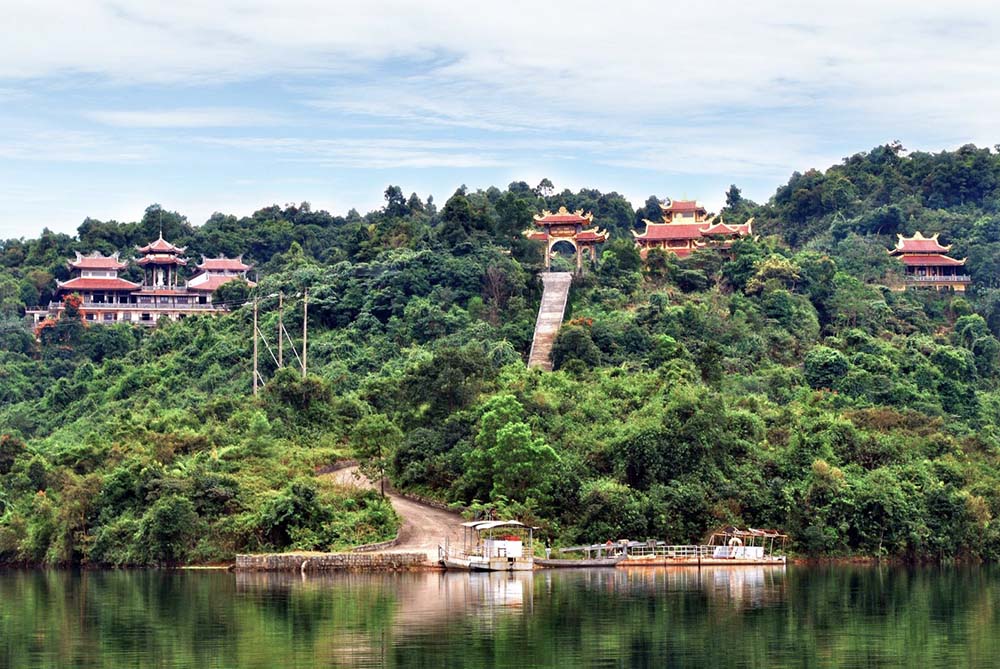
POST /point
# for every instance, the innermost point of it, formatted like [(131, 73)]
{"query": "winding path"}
[(424, 527)]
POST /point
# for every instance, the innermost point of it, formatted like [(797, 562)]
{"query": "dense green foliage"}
[(786, 385)]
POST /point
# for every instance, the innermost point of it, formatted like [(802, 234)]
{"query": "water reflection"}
[(736, 616)]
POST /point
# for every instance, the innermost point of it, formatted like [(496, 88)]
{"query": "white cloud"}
[(728, 88), (192, 117), (577, 57), (366, 153), (72, 147)]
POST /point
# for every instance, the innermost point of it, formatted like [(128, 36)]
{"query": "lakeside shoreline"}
[(313, 556)]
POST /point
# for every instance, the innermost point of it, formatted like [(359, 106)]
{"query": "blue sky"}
[(107, 107)]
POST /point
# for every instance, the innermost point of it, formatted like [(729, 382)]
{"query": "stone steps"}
[(555, 293)]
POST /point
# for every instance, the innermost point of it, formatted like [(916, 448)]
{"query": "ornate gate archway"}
[(564, 226)]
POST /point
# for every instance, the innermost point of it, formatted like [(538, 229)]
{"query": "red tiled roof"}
[(97, 261), (671, 231), (95, 284), (561, 218), (924, 260), (160, 245), (591, 236), (538, 236), (682, 205), (918, 244), (234, 264), (214, 282), (721, 229)]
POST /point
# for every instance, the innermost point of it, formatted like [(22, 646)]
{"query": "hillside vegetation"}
[(787, 387)]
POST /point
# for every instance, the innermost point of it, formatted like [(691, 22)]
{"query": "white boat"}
[(491, 545)]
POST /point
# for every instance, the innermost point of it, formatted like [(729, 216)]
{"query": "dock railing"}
[(671, 551)]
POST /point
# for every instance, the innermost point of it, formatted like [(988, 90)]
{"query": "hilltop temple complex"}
[(108, 298), (927, 264), (685, 228)]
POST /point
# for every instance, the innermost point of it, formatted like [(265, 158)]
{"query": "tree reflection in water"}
[(750, 616)]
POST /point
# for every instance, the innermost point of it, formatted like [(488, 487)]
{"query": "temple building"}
[(213, 272), (686, 228), (569, 227), (163, 292), (927, 264)]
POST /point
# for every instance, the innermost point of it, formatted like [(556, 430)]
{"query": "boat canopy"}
[(751, 532), (482, 525)]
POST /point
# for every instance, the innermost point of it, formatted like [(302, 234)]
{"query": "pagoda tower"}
[(161, 261), (565, 226)]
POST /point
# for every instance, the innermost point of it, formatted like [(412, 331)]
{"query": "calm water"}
[(737, 617)]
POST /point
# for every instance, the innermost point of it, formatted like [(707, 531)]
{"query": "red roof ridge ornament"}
[(96, 260), (223, 263), (161, 246), (918, 243), (563, 216), (681, 205), (719, 228)]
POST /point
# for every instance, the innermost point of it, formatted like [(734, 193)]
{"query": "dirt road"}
[(424, 527)]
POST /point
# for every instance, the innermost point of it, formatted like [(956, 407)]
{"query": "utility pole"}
[(255, 346), (305, 328), (281, 327)]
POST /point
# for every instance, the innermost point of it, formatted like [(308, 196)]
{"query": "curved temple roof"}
[(682, 205), (223, 263), (86, 283), (563, 216), (161, 246), (95, 260), (919, 244)]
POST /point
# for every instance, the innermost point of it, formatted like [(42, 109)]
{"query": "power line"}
[(258, 335), (255, 372), (305, 328), (292, 345)]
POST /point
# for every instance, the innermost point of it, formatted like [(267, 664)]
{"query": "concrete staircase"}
[(555, 292)]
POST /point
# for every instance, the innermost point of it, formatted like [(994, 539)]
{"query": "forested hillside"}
[(787, 387)]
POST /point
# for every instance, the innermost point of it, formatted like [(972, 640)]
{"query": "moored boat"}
[(729, 546), (491, 545), (557, 563)]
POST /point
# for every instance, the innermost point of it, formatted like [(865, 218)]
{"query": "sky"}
[(108, 107)]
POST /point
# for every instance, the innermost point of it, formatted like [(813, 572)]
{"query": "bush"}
[(824, 367), (167, 530)]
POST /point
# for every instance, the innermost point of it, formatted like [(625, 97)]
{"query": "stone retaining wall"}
[(336, 466), (380, 546), (330, 562), (426, 501)]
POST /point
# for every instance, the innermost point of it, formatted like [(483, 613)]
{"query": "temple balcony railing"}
[(957, 278), (137, 306)]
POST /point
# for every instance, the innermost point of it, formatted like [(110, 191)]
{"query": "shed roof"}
[(480, 525)]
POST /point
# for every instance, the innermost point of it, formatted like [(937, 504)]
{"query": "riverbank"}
[(317, 562)]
